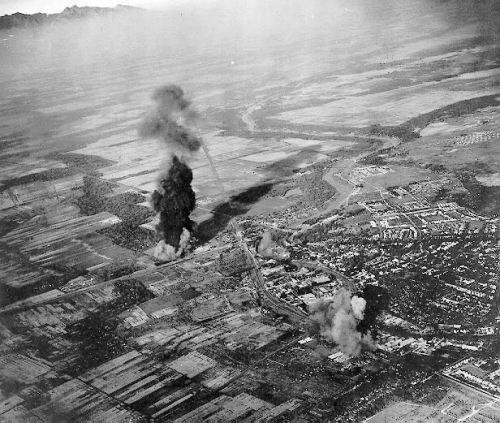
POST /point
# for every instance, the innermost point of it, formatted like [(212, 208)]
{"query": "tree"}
[(96, 340)]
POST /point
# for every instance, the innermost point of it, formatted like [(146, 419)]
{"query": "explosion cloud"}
[(338, 319), (174, 199), (268, 247), (358, 305)]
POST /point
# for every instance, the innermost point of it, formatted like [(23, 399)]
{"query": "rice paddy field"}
[(294, 94)]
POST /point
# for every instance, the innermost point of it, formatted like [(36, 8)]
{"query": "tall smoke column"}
[(174, 199), (338, 319)]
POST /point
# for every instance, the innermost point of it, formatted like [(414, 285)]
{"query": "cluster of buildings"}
[(403, 217), (481, 374), (298, 284), (475, 138), (404, 345), (442, 252), (424, 346), (430, 188), (358, 175)]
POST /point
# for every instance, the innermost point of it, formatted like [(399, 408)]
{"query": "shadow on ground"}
[(236, 205), (241, 203)]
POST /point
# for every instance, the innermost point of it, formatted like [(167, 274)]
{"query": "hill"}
[(74, 12)]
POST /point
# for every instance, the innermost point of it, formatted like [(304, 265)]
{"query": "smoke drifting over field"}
[(174, 199), (339, 317)]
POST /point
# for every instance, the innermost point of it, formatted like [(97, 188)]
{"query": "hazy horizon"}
[(225, 53), (9, 7)]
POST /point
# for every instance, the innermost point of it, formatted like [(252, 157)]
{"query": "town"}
[(156, 340), (250, 211)]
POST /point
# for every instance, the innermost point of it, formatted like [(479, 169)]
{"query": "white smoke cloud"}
[(338, 318), (358, 305), (166, 252), (268, 247)]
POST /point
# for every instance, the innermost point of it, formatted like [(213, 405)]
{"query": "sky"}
[(8, 7)]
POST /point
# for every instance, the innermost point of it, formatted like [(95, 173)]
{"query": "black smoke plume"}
[(174, 199), (176, 203), (377, 300), (167, 120)]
